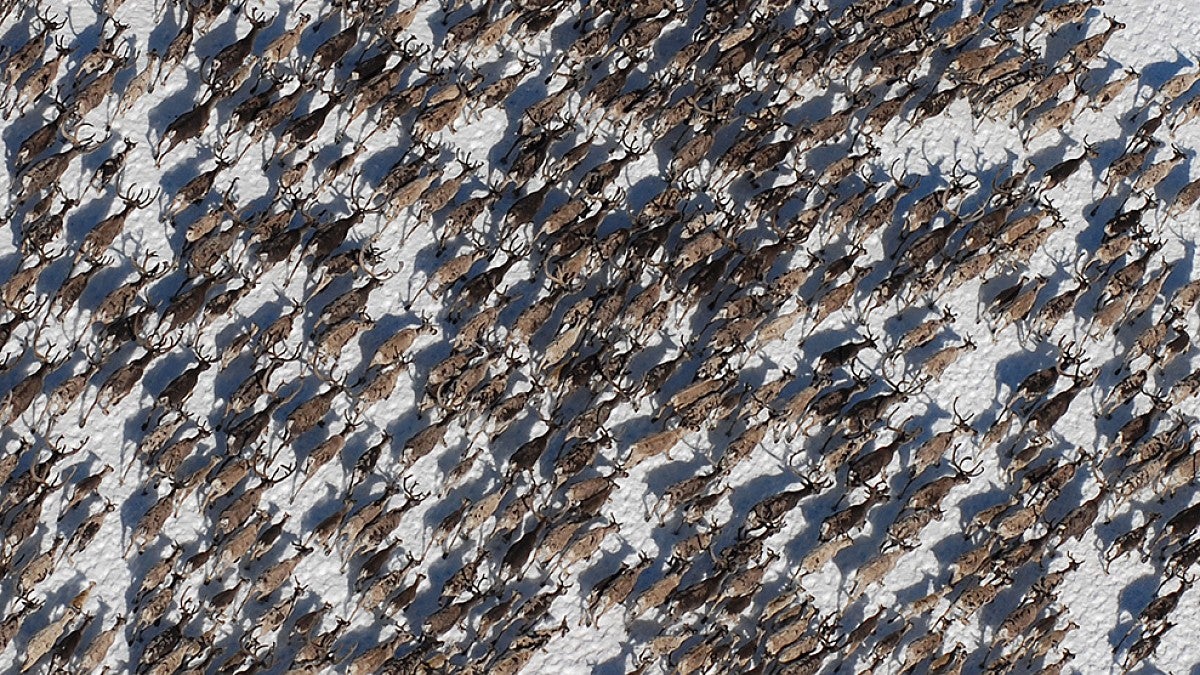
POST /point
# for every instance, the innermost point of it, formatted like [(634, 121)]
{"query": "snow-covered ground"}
[(713, 585)]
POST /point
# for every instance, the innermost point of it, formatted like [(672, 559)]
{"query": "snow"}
[(1102, 601)]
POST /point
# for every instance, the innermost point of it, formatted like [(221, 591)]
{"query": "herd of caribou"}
[(477, 337)]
